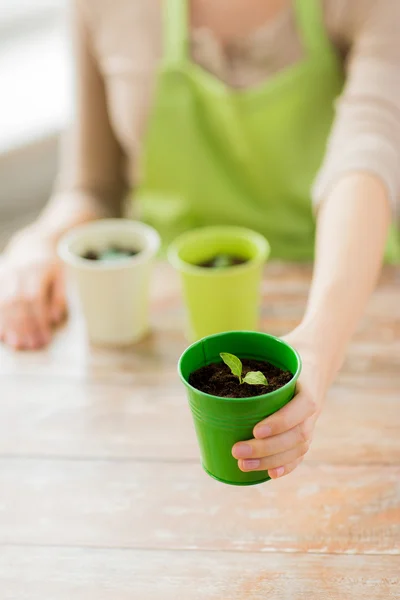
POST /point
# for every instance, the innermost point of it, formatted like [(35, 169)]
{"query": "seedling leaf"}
[(255, 378), (222, 261), (234, 363)]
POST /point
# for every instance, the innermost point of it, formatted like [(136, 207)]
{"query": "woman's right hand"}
[(32, 294)]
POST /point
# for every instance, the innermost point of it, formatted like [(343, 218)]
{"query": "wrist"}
[(28, 242), (320, 349), (64, 212)]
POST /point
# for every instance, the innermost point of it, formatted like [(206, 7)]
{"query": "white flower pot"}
[(114, 296)]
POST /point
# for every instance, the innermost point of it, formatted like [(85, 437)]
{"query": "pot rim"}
[(150, 236), (260, 397), (231, 231)]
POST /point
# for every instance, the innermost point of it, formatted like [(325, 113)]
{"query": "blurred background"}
[(35, 104)]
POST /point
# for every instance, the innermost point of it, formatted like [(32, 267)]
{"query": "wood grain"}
[(375, 352), (98, 574), (129, 504), (89, 419), (102, 496)]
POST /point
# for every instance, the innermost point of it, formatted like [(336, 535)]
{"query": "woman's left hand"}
[(282, 439)]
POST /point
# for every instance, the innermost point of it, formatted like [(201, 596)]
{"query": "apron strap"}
[(310, 19), (176, 31), (309, 16)]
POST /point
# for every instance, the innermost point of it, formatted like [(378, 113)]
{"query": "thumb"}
[(58, 306)]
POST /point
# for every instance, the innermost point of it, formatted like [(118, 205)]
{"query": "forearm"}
[(352, 228), (351, 234), (91, 182)]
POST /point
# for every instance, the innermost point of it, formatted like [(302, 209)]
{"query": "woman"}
[(211, 153)]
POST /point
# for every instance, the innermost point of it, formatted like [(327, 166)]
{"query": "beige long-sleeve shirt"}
[(118, 48)]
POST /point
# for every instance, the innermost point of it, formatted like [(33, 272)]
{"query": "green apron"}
[(215, 155)]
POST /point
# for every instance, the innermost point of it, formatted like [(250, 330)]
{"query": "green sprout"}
[(236, 367), (222, 261)]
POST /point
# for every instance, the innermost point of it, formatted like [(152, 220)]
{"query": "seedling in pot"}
[(111, 254), (236, 367), (261, 377), (223, 261), (225, 411)]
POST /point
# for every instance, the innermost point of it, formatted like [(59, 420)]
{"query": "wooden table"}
[(102, 496)]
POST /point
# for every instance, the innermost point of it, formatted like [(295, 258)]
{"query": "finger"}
[(58, 307), (295, 412), (15, 335), (273, 462), (37, 311), (7, 333), (12, 340), (21, 330), (39, 322), (284, 470), (23, 327), (275, 444), (36, 297)]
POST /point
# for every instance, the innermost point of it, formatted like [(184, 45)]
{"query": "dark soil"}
[(222, 261), (216, 379), (111, 253)]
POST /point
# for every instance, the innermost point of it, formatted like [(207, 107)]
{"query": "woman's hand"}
[(32, 296), (282, 439)]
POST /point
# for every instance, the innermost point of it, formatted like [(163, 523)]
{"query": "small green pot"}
[(221, 422), (220, 299)]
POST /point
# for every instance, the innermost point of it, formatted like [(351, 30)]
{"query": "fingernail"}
[(278, 472), (242, 451), (263, 431), (249, 465)]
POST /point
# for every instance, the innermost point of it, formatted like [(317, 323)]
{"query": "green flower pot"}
[(221, 422), (220, 299)]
